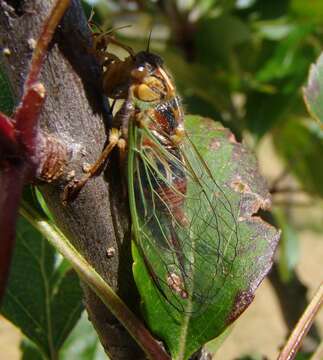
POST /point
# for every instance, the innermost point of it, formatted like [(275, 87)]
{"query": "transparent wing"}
[(188, 231)]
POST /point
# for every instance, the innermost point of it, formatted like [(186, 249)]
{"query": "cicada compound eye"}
[(139, 72)]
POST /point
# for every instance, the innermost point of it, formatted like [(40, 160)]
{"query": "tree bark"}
[(76, 112)]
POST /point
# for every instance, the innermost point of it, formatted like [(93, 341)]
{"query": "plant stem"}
[(44, 39), (302, 327)]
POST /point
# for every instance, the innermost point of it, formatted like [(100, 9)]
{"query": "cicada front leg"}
[(117, 138), (101, 42)]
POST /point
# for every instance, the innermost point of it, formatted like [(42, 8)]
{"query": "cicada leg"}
[(109, 39), (116, 138), (101, 41), (73, 187)]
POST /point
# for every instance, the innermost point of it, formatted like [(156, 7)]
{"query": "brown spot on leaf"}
[(241, 302), (232, 139), (176, 284), (240, 186)]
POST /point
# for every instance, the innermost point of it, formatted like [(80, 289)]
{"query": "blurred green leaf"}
[(275, 30), (313, 92), (285, 70), (30, 196), (288, 246), (42, 203), (244, 4), (214, 345), (312, 10), (29, 351), (264, 9), (300, 144), (304, 356), (231, 254), (289, 58), (265, 111), (210, 35), (83, 343), (197, 82), (43, 297)]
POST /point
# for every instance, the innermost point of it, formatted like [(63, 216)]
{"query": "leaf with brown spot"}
[(229, 250)]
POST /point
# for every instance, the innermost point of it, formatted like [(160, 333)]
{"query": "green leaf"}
[(244, 4), (264, 111), (29, 351), (231, 254), (6, 95), (43, 297), (268, 9), (214, 345), (313, 92), (196, 83), (300, 144), (290, 57), (288, 247), (83, 343), (274, 30), (309, 10)]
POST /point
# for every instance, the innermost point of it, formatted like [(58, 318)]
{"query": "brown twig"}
[(303, 326), (279, 178)]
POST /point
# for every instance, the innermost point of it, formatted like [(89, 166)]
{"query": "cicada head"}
[(150, 80)]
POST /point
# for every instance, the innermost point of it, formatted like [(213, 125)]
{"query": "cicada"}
[(183, 224)]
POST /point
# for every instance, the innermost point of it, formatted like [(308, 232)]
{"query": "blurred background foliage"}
[(243, 63)]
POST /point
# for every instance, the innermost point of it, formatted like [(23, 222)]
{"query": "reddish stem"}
[(44, 39), (8, 141), (11, 180), (27, 115)]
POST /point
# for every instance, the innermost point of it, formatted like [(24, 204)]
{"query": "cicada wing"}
[(188, 235)]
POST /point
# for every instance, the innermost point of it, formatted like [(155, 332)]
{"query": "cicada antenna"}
[(91, 15), (149, 38), (117, 28), (92, 23)]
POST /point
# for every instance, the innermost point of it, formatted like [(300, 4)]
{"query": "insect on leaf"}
[(197, 271)]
